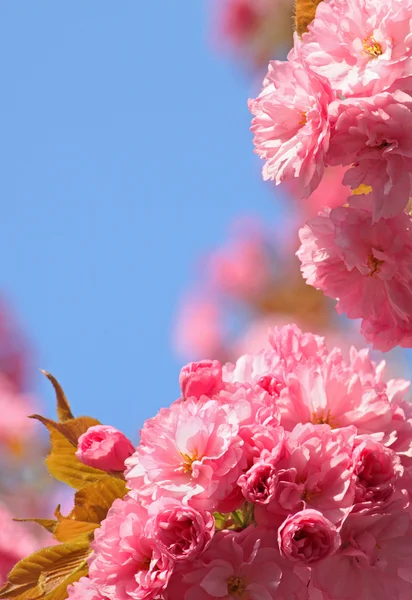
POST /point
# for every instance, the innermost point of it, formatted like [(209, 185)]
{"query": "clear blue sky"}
[(125, 154)]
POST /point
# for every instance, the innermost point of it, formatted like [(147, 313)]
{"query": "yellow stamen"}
[(302, 122), (374, 265), (188, 461), (372, 47), (320, 418), (236, 586)]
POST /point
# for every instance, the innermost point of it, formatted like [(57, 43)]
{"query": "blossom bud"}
[(201, 378), (104, 447), (308, 537)]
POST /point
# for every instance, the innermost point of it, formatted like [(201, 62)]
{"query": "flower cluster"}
[(286, 475), (344, 98)]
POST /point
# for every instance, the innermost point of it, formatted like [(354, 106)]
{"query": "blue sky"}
[(124, 155)]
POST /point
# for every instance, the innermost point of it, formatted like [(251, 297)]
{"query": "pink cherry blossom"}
[(104, 447), (259, 483), (85, 589), (126, 563), (367, 266), (374, 561), (361, 46), (180, 532), (191, 451), (291, 123), (237, 565), (243, 267), (371, 135), (377, 470), (202, 378), (308, 537), (316, 472), (15, 409)]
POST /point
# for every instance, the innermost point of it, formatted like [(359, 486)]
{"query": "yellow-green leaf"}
[(46, 573), (305, 11), (64, 412)]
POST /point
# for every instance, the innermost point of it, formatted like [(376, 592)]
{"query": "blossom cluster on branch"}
[(343, 98)]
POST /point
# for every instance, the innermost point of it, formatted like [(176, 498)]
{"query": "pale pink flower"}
[(367, 266), (308, 537), (377, 470), (191, 452), (180, 532), (85, 589), (104, 447), (243, 267), (15, 542), (330, 192), (316, 472), (361, 46), (198, 330), (291, 123), (126, 563), (371, 135), (203, 378), (238, 564), (374, 561), (15, 408)]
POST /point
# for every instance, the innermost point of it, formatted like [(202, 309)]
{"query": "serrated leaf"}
[(64, 412), (46, 573), (305, 11)]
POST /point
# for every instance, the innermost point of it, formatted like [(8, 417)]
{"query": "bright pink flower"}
[(258, 485), (181, 532), (104, 447), (191, 452), (85, 589), (371, 135), (126, 563), (316, 472), (367, 266), (308, 537), (361, 46), (377, 470), (245, 564), (374, 561), (294, 346), (291, 123), (202, 378)]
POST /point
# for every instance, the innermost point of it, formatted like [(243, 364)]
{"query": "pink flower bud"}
[(201, 378), (308, 537), (259, 483), (181, 532), (104, 447)]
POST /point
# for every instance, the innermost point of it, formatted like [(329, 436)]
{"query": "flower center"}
[(374, 265), (188, 461), (236, 586), (372, 47), (324, 418), (303, 120)]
